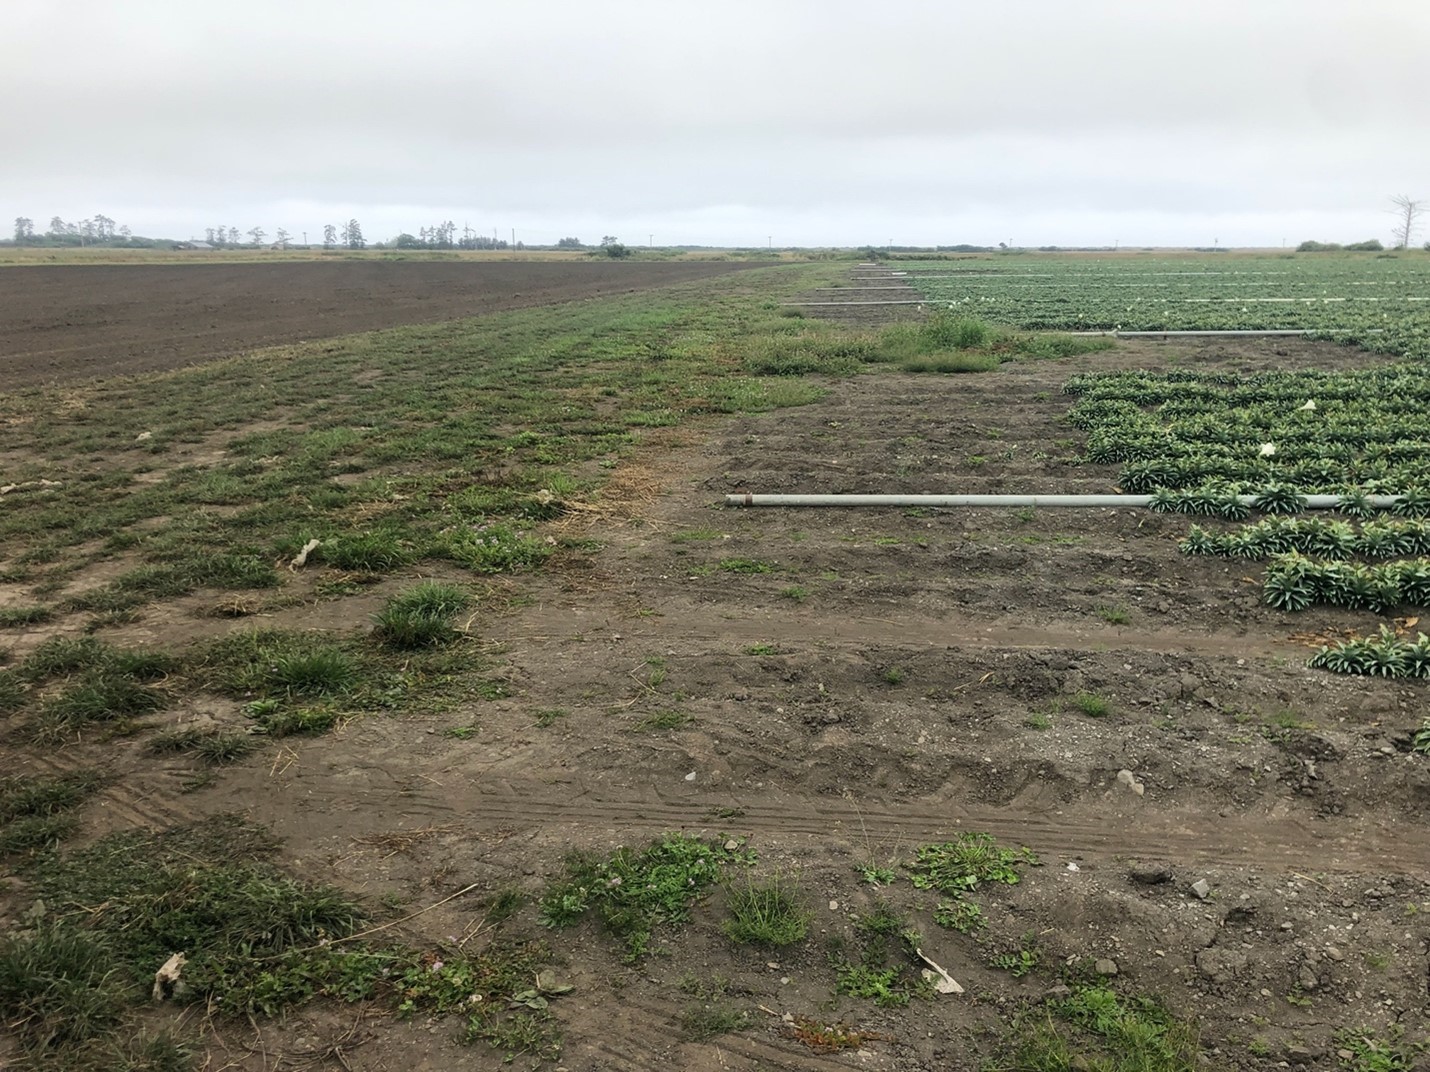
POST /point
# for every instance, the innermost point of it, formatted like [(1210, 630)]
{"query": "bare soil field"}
[(80, 321), (834, 688)]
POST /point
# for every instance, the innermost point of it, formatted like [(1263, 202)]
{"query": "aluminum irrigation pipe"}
[(1314, 502)]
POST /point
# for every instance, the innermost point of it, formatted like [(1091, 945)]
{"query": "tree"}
[(608, 240), (330, 236), (257, 234), (568, 243), (1406, 212), (281, 238), (24, 229), (233, 236), (58, 227), (352, 235)]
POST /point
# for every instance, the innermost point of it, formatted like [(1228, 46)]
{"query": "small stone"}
[(1299, 1055), (834, 906), (784, 980), (1057, 993), (690, 777), (1105, 966), (1334, 953), (788, 1017), (731, 845), (1127, 778), (1307, 978), (1345, 1055), (1202, 888), (1288, 925), (773, 964)]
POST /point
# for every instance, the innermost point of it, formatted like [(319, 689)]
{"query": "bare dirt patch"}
[(79, 321)]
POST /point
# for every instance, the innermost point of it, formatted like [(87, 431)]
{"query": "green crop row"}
[(1295, 582), (1383, 655), (1312, 536)]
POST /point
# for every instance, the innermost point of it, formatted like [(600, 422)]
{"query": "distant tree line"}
[(444, 236), (1372, 245), (98, 230)]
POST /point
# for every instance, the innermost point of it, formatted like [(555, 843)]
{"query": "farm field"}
[(64, 322), (1075, 758), (1358, 297)]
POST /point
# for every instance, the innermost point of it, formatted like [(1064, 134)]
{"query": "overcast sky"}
[(816, 122)]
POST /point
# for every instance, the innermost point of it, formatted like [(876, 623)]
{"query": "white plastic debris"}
[(1268, 449), (166, 979), (301, 558), (942, 981)]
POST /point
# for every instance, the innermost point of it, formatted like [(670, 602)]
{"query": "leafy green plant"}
[(962, 865), (633, 891), (1091, 704), (961, 915)]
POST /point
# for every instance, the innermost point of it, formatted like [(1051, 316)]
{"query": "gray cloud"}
[(818, 122)]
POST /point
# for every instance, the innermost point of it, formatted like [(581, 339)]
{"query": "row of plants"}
[(1326, 538), (1383, 654), (1294, 582)]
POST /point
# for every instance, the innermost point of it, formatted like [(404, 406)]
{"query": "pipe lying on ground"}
[(1313, 502)]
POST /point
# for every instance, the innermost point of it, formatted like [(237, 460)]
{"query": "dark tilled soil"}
[(60, 323), (862, 682)]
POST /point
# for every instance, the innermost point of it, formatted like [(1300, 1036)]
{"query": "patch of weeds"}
[(635, 890), (709, 1015), (269, 663), (503, 905), (1020, 961), (550, 716), (876, 876), (892, 676), (1091, 704), (497, 548), (97, 698), (460, 733), (1038, 721), (1289, 720), (887, 970), (796, 593), (365, 552), (767, 913), (960, 915), (35, 833), (762, 649), (745, 565), (962, 865), (1113, 615), (1097, 1028), (216, 748), (13, 617), (280, 721), (663, 720), (62, 656), (421, 617), (1369, 1053), (12, 692), (60, 987)]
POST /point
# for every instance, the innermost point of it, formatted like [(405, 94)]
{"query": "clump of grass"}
[(1114, 615), (497, 548), (34, 810), (663, 720), (961, 915), (216, 748), (949, 363), (1098, 1028), (60, 656), (767, 913), (12, 692), (745, 565), (275, 663), (703, 1022), (962, 865), (365, 552), (421, 617), (633, 891), (944, 332), (280, 721), (550, 716), (13, 617), (96, 698), (60, 987), (1091, 704)]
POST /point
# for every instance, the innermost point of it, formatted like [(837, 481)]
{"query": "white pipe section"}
[(1313, 502)]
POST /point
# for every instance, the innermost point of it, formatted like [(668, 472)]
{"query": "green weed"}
[(767, 913), (1091, 704), (421, 617), (633, 891), (962, 865), (12, 617)]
